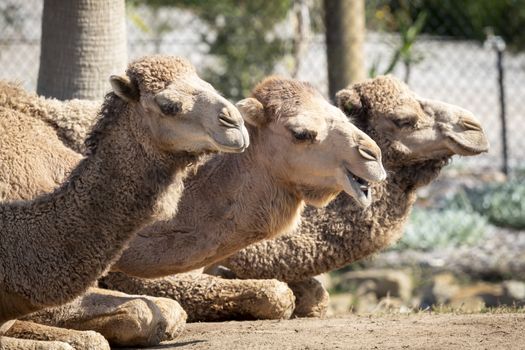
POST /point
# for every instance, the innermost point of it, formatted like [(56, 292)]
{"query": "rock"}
[(498, 256), (440, 290), (381, 282), (486, 294), (514, 291), (446, 290)]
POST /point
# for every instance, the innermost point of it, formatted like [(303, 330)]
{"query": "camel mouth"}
[(229, 148), (465, 147), (233, 139), (360, 189)]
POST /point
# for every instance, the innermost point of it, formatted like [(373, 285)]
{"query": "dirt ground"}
[(415, 331)]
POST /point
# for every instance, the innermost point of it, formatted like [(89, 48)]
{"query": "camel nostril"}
[(470, 124), (367, 153), (226, 120)]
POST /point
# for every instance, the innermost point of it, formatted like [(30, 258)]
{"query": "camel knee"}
[(174, 315), (138, 322), (274, 300)]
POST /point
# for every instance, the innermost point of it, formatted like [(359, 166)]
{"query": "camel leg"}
[(79, 340), (311, 299), (124, 320), (7, 343), (210, 298)]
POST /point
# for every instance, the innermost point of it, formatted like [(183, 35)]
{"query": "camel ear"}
[(124, 88), (252, 111), (349, 101)]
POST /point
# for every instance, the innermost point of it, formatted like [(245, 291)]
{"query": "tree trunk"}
[(345, 34), (83, 43)]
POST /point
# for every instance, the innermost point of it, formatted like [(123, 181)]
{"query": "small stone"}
[(514, 291)]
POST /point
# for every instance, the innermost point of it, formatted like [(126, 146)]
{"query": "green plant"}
[(462, 19), (404, 51), (241, 37), (431, 228), (502, 203)]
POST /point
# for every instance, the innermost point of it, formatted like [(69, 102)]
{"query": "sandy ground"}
[(416, 331)]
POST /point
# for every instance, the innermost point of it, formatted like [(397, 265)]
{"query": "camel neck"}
[(232, 201), (393, 201), (69, 237), (259, 203)]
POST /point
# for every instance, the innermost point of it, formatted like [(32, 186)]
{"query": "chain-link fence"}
[(440, 52)]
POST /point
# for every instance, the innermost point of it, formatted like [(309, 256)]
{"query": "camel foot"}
[(7, 343), (124, 320), (79, 340), (311, 299), (211, 298)]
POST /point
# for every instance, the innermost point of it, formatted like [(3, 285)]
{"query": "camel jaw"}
[(359, 189)]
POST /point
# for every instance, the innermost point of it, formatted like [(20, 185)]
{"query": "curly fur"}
[(69, 120), (154, 73), (281, 96)]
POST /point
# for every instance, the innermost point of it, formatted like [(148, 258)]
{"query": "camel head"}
[(182, 111), (410, 129), (309, 144)]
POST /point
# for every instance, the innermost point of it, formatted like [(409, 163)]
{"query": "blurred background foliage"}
[(246, 46), (502, 203), (430, 229), (242, 38), (467, 19)]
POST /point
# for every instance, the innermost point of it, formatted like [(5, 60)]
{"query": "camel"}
[(283, 115), (417, 137), (152, 129)]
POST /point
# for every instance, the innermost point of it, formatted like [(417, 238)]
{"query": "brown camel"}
[(160, 118), (417, 137), (311, 130)]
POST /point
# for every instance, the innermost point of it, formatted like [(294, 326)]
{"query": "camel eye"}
[(168, 107), (404, 123), (304, 135)]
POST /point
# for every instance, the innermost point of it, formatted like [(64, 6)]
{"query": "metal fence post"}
[(498, 45)]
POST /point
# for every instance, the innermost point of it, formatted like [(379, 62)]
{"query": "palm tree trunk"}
[(83, 42), (345, 34)]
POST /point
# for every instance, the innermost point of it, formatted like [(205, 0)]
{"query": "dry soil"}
[(414, 331)]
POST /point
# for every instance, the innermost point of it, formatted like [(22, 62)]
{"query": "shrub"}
[(502, 203), (429, 229)]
